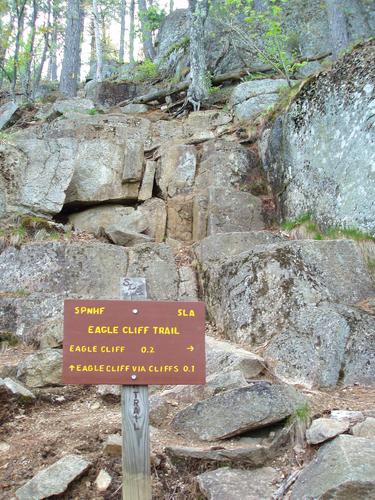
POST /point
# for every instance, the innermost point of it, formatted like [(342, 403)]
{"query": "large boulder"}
[(293, 298), (96, 220), (35, 280), (238, 411), (35, 172), (249, 99), (66, 106), (108, 165), (78, 160), (329, 175), (343, 468), (253, 295), (323, 345), (219, 209)]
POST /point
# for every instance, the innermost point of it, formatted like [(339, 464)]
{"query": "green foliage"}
[(302, 414), (181, 44), (253, 76), (286, 97), (152, 18), (292, 223), (333, 233), (93, 112), (147, 70), (265, 35), (213, 90)]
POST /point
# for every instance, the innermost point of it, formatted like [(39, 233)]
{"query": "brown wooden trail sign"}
[(134, 343)]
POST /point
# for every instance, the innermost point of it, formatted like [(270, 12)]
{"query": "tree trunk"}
[(92, 45), (148, 46), (30, 55), (122, 31), (71, 60), (81, 28), (52, 63), (98, 43), (39, 72), (171, 6), (131, 31), (337, 27), (20, 16), (199, 85)]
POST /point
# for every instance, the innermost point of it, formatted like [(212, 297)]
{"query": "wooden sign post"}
[(134, 342), (136, 469)]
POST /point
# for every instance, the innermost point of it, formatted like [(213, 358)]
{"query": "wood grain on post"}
[(136, 470)]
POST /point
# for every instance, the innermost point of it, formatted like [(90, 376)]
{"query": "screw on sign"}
[(134, 342)]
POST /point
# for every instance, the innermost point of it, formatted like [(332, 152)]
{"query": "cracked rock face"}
[(293, 299), (320, 157), (35, 173), (35, 279)]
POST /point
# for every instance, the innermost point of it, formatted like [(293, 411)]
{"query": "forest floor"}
[(75, 419)]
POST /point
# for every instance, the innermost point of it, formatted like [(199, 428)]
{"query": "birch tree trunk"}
[(199, 85), (131, 31), (121, 54), (337, 27), (148, 46), (98, 43), (69, 75), (171, 6)]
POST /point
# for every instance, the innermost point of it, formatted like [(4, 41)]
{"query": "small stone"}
[(4, 447), (323, 429), (95, 405), (53, 480), (353, 417), (16, 389), (365, 429), (103, 481), (113, 445)]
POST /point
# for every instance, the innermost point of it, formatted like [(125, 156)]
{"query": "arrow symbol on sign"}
[(71, 368), (190, 348)]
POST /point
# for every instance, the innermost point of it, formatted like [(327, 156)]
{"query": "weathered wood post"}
[(136, 470)]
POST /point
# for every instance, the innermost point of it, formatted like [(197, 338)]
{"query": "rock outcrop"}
[(294, 297), (35, 280), (320, 158)]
